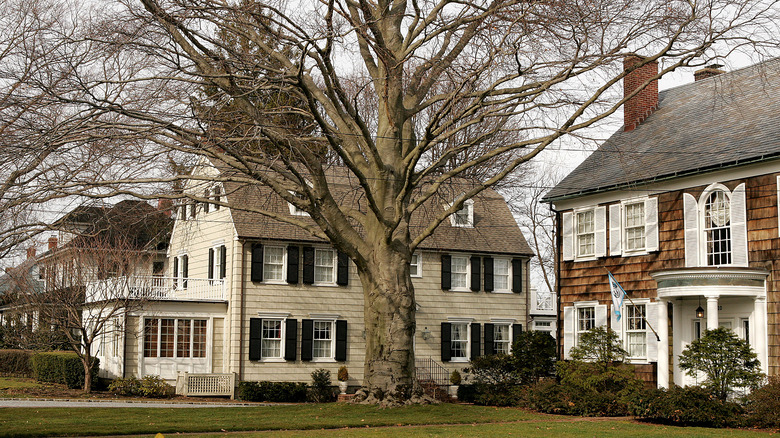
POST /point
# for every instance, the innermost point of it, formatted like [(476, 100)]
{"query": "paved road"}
[(51, 403)]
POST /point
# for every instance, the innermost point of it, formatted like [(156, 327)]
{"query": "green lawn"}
[(328, 420), (7, 383)]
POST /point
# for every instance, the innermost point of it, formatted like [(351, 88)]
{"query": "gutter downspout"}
[(558, 309), (241, 315)]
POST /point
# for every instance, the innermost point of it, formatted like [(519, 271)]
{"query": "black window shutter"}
[(342, 273), (516, 330), (255, 338), (517, 276), (223, 261), (211, 263), (490, 347), (257, 263), (341, 340), (307, 339), (206, 205), (176, 272), (291, 339), (185, 269), (488, 261), (476, 273), (292, 264), (308, 265), (446, 341), (476, 339), (446, 272)]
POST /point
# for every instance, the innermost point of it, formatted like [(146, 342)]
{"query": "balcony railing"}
[(156, 288)]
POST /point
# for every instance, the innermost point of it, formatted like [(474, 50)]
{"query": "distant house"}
[(14, 283), (264, 300), (681, 205)]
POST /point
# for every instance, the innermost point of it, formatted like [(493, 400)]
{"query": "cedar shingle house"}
[(265, 300), (682, 207)]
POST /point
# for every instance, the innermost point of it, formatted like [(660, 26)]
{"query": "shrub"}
[(147, 386), (728, 362), (599, 345), (60, 367), (497, 380), (455, 378), (15, 362), (343, 374), (467, 393), (689, 406), (128, 386), (534, 355), (278, 392), (763, 405), (321, 389)]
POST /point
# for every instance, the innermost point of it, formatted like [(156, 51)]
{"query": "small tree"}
[(534, 354), (600, 345), (727, 361)]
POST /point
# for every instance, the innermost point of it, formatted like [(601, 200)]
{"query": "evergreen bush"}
[(60, 367), (321, 390), (688, 406), (278, 392)]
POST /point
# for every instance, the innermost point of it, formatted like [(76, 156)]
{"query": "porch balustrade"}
[(156, 288)]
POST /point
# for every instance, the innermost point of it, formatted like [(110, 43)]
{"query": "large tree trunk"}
[(390, 326)]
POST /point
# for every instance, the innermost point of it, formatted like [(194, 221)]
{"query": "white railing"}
[(156, 288), (191, 384)]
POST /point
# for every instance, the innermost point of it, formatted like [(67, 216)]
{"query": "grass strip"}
[(29, 422)]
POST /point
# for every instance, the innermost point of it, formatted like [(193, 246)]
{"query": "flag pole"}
[(625, 294)]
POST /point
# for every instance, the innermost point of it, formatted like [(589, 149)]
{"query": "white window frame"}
[(625, 320), (507, 341), (508, 288), (217, 247), (283, 325), (331, 321), (618, 227), (703, 222), (578, 235), (544, 326), (179, 277), (466, 209), (466, 287), (176, 320), (295, 211), (467, 323), (642, 226), (280, 280), (578, 331), (416, 262), (334, 264)]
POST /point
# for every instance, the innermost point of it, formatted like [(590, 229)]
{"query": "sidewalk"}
[(69, 403)]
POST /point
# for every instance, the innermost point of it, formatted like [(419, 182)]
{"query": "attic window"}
[(294, 210), (464, 217)]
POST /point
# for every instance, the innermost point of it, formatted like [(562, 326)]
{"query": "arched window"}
[(717, 227)]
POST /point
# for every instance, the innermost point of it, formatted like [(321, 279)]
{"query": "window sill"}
[(459, 360), (325, 284), (324, 360), (460, 290), (501, 292), (634, 252), (272, 360), (274, 282), (586, 259)]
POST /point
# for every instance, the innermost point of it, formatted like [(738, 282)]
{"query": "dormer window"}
[(294, 210), (464, 217)]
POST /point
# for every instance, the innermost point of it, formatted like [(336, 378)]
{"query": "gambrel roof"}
[(723, 121)]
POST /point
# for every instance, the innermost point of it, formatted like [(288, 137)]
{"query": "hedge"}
[(15, 362), (60, 367), (289, 392)]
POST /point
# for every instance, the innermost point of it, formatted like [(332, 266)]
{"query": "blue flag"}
[(617, 295)]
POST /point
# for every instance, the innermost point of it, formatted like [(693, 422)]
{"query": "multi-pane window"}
[(323, 265), (501, 338), (169, 337), (460, 272), (322, 347), (586, 233), (635, 226), (636, 334), (459, 340), (586, 320), (273, 264), (415, 270), (501, 274), (271, 343), (717, 228), (461, 217)]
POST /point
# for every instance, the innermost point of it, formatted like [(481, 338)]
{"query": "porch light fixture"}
[(699, 310), (426, 334)]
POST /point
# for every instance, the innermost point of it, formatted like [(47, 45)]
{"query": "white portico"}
[(708, 298)]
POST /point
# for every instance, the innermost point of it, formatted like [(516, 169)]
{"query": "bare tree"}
[(453, 86)]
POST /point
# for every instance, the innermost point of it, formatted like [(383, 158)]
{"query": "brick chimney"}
[(31, 252), (639, 107), (165, 205), (707, 72), (52, 243)]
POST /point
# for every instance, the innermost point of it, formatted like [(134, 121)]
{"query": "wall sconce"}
[(426, 334)]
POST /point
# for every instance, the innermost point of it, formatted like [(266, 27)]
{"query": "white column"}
[(760, 332), (712, 312), (677, 336), (663, 344)]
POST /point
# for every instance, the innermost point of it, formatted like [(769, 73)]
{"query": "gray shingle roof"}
[(723, 121), (495, 229)]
